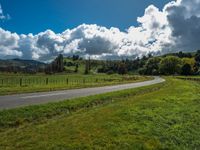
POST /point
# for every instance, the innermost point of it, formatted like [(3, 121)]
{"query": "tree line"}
[(176, 64), (169, 64)]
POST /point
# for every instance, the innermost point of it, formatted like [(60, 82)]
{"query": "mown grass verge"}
[(161, 117), (37, 113)]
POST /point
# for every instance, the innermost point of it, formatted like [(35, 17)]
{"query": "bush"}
[(142, 71), (152, 66), (170, 65)]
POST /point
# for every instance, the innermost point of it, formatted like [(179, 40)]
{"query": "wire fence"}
[(7, 82), (188, 78)]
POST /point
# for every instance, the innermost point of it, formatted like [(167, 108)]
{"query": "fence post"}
[(67, 81), (47, 81), (29, 81), (83, 81), (20, 82)]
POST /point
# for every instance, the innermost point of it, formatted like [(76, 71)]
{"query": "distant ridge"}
[(20, 63)]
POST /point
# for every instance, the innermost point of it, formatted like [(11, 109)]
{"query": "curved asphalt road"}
[(12, 101)]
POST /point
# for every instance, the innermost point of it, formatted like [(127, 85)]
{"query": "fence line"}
[(23, 81), (188, 78)]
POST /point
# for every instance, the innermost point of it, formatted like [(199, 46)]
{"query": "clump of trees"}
[(123, 66), (176, 64), (122, 69), (151, 66), (170, 65), (56, 66)]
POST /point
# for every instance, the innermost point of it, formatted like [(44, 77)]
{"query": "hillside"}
[(20, 63)]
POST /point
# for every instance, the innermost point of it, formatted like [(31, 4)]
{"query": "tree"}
[(170, 65), (186, 69), (122, 68), (143, 61), (60, 63), (76, 68), (192, 63), (56, 66), (86, 67), (89, 64), (75, 57), (152, 66), (197, 58), (142, 71), (183, 55), (48, 69)]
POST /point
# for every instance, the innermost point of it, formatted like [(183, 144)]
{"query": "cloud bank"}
[(174, 28)]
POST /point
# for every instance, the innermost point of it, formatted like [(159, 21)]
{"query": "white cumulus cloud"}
[(9, 44), (184, 19)]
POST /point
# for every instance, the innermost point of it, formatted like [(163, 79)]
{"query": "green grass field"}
[(162, 116), (11, 83)]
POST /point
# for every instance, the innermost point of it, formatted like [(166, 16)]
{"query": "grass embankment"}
[(194, 78), (13, 84), (163, 116)]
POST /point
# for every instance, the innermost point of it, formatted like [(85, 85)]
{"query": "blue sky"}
[(34, 16)]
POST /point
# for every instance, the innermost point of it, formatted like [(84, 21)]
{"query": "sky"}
[(34, 16), (102, 29)]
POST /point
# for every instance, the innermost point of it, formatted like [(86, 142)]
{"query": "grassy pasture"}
[(10, 83), (162, 116)]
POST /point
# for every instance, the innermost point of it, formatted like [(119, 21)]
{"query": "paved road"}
[(12, 101)]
